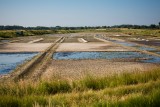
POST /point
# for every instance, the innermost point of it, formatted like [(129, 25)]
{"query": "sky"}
[(79, 12)]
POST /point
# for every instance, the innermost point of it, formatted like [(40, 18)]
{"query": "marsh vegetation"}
[(128, 90)]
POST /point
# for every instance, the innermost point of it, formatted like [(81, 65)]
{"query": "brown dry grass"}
[(77, 69)]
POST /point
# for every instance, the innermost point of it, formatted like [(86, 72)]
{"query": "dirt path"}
[(35, 71)]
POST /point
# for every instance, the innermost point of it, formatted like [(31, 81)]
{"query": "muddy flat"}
[(24, 47), (64, 47)]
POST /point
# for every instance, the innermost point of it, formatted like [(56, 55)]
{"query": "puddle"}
[(135, 46), (125, 43), (131, 45), (9, 61), (105, 55)]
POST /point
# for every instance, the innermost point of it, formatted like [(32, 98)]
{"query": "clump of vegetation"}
[(7, 34), (129, 90), (142, 32), (54, 87), (14, 33)]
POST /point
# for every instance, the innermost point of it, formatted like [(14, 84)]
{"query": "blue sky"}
[(79, 12)]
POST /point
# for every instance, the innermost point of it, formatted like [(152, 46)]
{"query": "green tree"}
[(152, 26)]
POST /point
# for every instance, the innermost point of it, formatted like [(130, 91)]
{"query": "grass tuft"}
[(54, 87)]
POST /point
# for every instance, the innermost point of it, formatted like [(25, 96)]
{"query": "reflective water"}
[(9, 61), (125, 43), (129, 44), (135, 46), (104, 55)]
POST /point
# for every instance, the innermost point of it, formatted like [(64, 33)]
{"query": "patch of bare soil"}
[(77, 69), (48, 39), (71, 40), (26, 39), (24, 47), (89, 47)]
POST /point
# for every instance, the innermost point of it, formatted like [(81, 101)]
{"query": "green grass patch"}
[(15, 33), (142, 32), (136, 89), (54, 87)]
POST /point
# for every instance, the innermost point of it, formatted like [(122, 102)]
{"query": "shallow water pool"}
[(125, 43), (9, 61), (131, 45), (135, 46), (104, 55)]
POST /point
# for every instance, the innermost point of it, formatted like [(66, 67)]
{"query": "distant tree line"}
[(152, 26), (15, 27)]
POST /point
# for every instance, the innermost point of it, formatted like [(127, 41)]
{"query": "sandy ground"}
[(36, 40), (32, 39), (77, 69), (24, 47), (89, 47)]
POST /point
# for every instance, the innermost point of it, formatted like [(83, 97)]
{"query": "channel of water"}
[(106, 55), (9, 61)]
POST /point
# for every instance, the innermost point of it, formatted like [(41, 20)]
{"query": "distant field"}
[(14, 33), (139, 32), (142, 32)]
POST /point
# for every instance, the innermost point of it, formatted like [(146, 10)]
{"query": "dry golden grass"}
[(77, 69)]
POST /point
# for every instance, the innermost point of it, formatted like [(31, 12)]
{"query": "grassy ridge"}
[(139, 32), (142, 32), (130, 90), (14, 33), (133, 32)]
